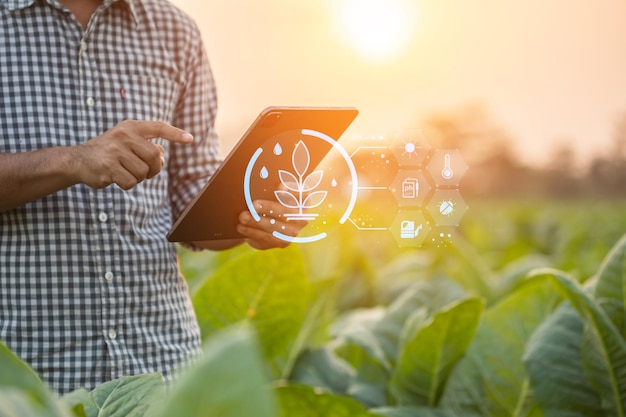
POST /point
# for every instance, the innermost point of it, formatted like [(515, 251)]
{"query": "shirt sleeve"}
[(190, 166)]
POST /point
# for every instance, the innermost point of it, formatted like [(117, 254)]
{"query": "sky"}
[(548, 71)]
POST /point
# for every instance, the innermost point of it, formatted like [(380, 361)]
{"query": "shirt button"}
[(83, 46), (102, 217), (112, 334), (90, 102), (109, 276)]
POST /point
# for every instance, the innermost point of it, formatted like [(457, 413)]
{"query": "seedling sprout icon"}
[(302, 186), (297, 187)]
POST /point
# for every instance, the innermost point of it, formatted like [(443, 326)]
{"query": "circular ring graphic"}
[(353, 196)]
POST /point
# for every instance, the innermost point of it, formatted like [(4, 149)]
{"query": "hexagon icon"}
[(375, 166), (410, 228), (447, 207), (447, 167), (410, 187), (410, 147)]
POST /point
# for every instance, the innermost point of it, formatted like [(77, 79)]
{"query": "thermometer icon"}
[(446, 172)]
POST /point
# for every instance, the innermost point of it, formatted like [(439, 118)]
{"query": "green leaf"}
[(356, 343), (431, 295), (491, 380), (81, 403), (355, 328), (305, 401), (268, 289), (129, 396), (17, 376), (604, 348), (611, 284), (428, 356), (368, 339), (553, 359), (517, 271), (372, 372), (313, 325), (411, 412), (228, 381), (323, 368), (16, 403)]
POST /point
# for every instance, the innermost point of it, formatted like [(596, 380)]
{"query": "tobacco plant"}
[(315, 331)]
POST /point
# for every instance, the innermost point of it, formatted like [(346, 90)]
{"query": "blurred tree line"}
[(496, 171)]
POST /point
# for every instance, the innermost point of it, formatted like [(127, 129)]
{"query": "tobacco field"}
[(523, 314)]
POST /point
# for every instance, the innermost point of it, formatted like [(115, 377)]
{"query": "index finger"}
[(156, 129)]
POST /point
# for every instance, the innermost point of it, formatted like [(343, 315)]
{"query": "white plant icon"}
[(300, 195)]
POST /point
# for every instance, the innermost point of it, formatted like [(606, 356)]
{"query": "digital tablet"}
[(213, 214)]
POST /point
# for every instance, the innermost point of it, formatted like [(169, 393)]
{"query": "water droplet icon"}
[(333, 182), (278, 149), (264, 173)]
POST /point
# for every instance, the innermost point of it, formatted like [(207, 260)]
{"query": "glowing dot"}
[(283, 227), (333, 182), (272, 221), (264, 173), (278, 149), (409, 147), (382, 156), (442, 235)]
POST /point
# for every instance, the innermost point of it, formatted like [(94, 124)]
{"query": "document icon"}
[(408, 229), (410, 188)]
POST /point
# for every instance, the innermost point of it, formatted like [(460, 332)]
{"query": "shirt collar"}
[(17, 4), (22, 4)]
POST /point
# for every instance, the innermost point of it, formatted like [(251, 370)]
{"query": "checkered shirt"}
[(90, 289)]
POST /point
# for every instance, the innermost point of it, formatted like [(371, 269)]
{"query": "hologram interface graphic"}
[(400, 185)]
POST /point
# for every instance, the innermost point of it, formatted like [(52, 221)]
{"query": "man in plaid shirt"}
[(106, 132)]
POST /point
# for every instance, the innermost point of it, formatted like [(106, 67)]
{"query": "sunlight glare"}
[(378, 29)]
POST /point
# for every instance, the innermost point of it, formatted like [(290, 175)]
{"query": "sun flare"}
[(377, 29)]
